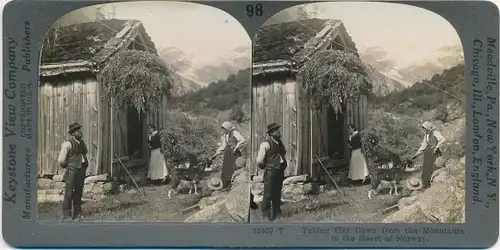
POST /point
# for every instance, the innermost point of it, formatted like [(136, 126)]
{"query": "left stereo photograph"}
[(144, 115)]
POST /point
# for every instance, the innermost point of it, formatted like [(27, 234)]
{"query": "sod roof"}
[(79, 42), (282, 41)]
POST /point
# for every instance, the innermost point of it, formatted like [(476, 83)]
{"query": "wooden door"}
[(290, 126)]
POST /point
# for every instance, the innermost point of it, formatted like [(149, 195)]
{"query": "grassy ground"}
[(325, 207), (129, 206)]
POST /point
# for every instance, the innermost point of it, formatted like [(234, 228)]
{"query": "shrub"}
[(237, 114), (441, 113)]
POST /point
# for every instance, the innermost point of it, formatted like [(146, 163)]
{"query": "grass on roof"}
[(79, 41), (282, 41)]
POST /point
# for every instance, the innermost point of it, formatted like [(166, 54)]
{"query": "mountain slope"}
[(383, 84)]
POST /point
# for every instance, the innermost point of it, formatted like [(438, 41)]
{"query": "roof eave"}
[(274, 66), (66, 67)]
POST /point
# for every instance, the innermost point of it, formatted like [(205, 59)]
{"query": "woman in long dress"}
[(230, 146), (431, 148), (157, 166), (358, 169)]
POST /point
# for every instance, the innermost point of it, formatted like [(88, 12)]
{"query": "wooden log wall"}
[(60, 104), (157, 116), (357, 113), (104, 139), (276, 101)]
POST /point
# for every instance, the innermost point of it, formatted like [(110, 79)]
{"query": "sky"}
[(410, 35)]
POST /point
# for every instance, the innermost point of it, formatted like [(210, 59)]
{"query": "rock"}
[(440, 162), (443, 177), (299, 198), (97, 178), (332, 192), (258, 186), (438, 202), (462, 161), (52, 198), (307, 188), (415, 193), (452, 163), (237, 200), (310, 188), (132, 191), (240, 176), (455, 167), (257, 198), (59, 185), (257, 192), (296, 179), (217, 193), (110, 188), (289, 191), (43, 183), (407, 201), (95, 188), (409, 214), (58, 178), (258, 178), (214, 213), (49, 192), (210, 200)]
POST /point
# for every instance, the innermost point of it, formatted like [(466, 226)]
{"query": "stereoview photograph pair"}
[(250, 124)]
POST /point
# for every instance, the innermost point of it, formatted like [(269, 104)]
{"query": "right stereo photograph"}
[(358, 116)]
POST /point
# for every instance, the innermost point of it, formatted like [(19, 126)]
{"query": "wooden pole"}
[(331, 178), (310, 142), (111, 139)]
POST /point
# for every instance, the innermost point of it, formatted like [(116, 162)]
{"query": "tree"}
[(334, 77), (136, 77)]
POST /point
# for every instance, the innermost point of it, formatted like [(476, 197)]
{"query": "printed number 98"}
[(254, 11)]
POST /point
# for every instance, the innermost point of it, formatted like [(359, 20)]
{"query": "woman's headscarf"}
[(227, 126), (428, 126)]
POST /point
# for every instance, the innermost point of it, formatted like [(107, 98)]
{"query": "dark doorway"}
[(135, 131), (335, 134)]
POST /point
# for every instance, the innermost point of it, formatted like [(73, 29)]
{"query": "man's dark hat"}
[(272, 127), (73, 127)]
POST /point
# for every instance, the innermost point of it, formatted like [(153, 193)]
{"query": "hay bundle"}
[(184, 139), (333, 77), (375, 153), (136, 77)]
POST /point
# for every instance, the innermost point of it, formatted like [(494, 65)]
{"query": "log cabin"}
[(279, 52), (69, 91)]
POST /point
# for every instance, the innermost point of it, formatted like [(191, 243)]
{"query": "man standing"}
[(73, 158), (271, 158)]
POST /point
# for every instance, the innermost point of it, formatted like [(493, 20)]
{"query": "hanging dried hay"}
[(136, 77), (332, 77)]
